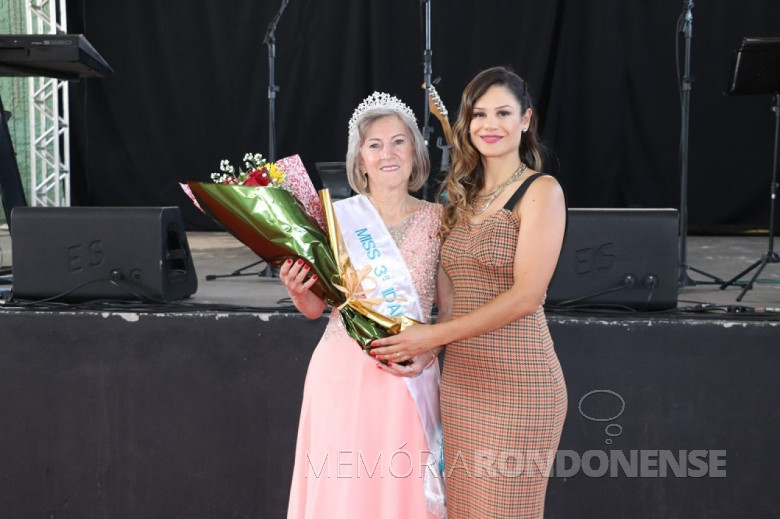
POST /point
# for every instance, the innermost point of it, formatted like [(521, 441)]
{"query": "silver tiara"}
[(379, 100)]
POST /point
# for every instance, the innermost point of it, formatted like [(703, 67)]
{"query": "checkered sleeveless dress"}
[(503, 396)]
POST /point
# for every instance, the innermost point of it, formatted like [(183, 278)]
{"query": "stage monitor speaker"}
[(620, 258), (334, 178), (96, 253)]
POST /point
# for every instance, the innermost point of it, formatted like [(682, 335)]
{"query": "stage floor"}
[(219, 254)]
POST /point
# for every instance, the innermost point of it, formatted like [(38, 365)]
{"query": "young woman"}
[(503, 396)]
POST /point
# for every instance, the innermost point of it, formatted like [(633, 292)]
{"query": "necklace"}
[(481, 202)]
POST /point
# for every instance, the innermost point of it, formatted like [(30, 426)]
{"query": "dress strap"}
[(520, 191)]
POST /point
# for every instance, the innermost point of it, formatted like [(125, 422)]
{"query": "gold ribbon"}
[(353, 286)]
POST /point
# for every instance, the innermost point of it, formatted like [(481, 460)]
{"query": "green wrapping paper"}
[(273, 224)]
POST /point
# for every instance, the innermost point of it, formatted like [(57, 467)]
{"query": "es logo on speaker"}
[(81, 256), (593, 259)]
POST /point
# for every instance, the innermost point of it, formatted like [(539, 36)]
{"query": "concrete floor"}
[(219, 254), (722, 257)]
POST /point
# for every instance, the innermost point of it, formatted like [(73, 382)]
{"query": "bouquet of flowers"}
[(274, 210), (259, 172)]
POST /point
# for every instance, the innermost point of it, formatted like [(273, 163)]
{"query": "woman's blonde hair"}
[(421, 162)]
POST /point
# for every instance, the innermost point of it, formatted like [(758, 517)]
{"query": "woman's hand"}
[(415, 366), (415, 340), (293, 275)]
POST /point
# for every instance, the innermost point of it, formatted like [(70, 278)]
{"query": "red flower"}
[(258, 177)]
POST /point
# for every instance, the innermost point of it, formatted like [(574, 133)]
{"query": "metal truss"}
[(49, 116)]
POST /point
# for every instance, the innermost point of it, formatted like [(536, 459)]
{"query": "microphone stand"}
[(427, 74), (270, 40), (686, 20), (770, 256), (428, 82)]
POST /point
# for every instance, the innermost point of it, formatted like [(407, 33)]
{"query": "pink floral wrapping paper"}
[(184, 187), (297, 182)]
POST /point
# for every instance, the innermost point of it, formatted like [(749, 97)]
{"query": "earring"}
[(365, 181)]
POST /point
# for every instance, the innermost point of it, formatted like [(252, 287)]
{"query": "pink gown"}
[(361, 450)]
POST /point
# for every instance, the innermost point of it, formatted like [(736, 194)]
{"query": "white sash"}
[(368, 242)]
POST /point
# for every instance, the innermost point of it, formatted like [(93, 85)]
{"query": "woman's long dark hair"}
[(467, 173)]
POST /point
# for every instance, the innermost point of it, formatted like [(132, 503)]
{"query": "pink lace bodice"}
[(418, 240)]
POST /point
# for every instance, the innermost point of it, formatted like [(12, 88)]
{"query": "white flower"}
[(226, 167), (255, 161), (252, 162)]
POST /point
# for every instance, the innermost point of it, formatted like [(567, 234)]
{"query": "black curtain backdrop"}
[(191, 89)]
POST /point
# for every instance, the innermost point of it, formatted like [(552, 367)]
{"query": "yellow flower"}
[(275, 173)]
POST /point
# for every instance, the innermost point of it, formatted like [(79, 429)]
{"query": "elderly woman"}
[(369, 437)]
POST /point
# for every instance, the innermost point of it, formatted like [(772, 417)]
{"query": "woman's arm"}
[(542, 213), (422, 360), (444, 304), (443, 296), (293, 275)]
